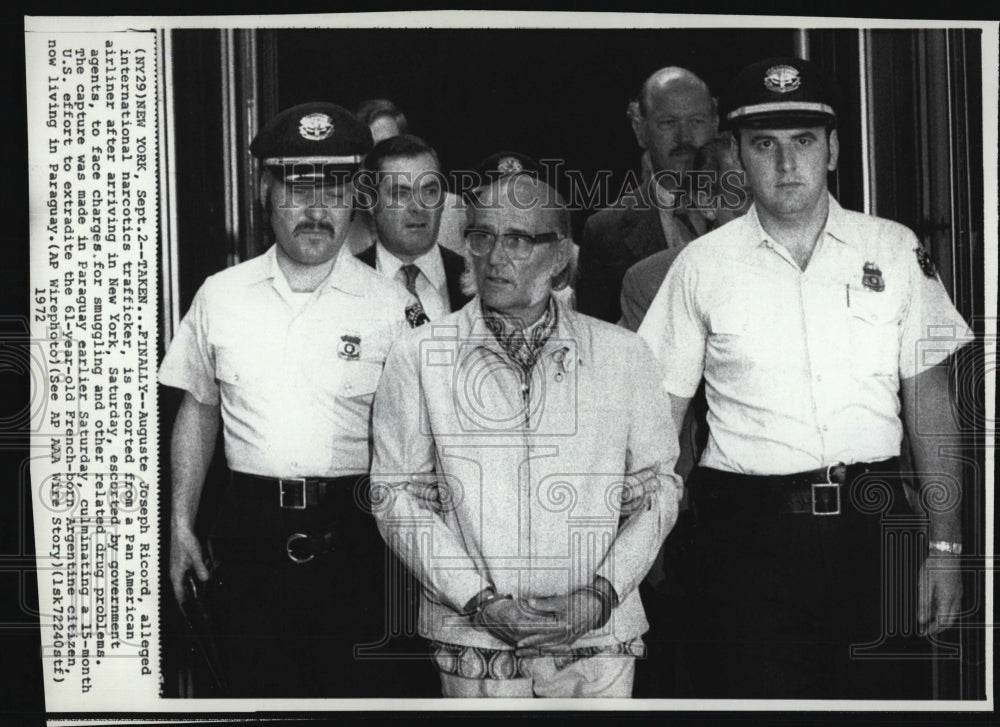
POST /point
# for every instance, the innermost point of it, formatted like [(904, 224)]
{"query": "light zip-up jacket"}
[(533, 483)]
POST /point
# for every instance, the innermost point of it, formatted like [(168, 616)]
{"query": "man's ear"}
[(266, 182), (564, 252), (638, 128), (735, 148), (834, 143)]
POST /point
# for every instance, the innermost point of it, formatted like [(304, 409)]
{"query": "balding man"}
[(722, 198), (674, 117), (529, 521)]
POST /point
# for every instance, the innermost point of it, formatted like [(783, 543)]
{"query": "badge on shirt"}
[(349, 348), (871, 278), (925, 262)]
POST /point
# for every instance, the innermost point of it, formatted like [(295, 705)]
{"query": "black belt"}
[(293, 493), (321, 532), (816, 492), (298, 548)]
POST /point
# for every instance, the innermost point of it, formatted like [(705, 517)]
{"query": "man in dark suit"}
[(404, 189), (674, 117), (664, 592), (724, 198)]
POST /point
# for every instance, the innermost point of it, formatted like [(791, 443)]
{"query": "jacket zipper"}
[(525, 528)]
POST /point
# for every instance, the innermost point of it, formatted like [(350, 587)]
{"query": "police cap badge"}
[(505, 163), (315, 127), (782, 78)]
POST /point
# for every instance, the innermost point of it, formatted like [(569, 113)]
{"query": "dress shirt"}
[(295, 383), (802, 368), (432, 285)]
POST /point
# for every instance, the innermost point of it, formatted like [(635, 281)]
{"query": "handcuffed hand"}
[(507, 619), (574, 615)]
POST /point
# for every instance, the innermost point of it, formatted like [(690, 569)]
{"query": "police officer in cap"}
[(287, 349), (808, 323)]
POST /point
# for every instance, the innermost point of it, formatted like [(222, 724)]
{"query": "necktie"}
[(415, 312)]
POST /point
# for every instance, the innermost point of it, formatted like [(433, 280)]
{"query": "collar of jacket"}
[(566, 345)]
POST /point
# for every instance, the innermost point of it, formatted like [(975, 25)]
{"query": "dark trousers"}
[(662, 674), (807, 607), (317, 629)]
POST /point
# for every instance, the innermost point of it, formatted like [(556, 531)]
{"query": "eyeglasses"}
[(517, 245)]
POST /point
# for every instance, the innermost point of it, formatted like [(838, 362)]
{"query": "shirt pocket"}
[(737, 341), (360, 378), (873, 327), (729, 322), (344, 363), (239, 366)]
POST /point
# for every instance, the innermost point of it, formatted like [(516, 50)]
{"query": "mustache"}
[(320, 226), (684, 148)]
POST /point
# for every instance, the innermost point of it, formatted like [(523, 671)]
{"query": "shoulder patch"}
[(924, 261)]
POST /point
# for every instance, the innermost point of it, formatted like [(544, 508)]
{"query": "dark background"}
[(550, 94), (545, 93)]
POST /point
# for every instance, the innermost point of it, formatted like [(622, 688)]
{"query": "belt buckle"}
[(828, 483), (290, 497), (294, 537)]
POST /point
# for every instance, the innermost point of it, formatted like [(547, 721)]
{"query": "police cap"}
[(312, 143), (506, 163), (780, 93)]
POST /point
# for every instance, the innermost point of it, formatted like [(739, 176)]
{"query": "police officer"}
[(808, 323), (288, 347)]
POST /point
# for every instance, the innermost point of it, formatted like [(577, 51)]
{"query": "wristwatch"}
[(943, 546)]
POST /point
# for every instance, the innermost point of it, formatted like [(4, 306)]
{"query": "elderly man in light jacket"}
[(524, 467)]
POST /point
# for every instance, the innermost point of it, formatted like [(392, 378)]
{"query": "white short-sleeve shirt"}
[(802, 368), (295, 382)]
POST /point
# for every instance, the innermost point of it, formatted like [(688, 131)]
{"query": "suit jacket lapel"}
[(367, 256), (454, 266), (645, 235)]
